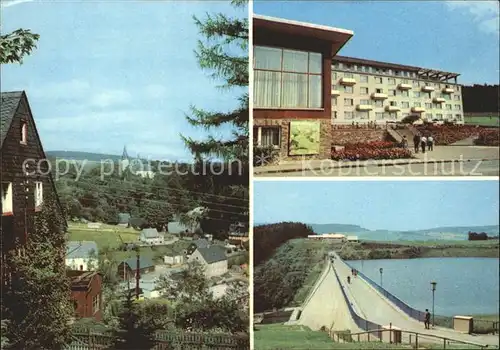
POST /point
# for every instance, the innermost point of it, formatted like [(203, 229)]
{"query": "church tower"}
[(125, 162)]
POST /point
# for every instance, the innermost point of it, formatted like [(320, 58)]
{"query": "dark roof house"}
[(213, 254), (80, 249), (144, 262), (150, 233)]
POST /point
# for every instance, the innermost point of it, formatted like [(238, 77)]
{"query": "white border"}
[(250, 171)]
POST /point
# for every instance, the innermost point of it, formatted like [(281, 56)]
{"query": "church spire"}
[(125, 154)]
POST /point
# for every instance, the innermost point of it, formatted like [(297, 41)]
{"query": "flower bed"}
[(448, 134), (370, 145), (488, 137), (374, 153)]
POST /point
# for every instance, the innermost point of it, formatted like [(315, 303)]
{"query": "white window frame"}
[(24, 132), (96, 304), (7, 198), (259, 136), (38, 194)]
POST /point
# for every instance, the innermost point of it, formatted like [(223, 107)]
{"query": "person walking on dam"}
[(427, 321), (416, 142)]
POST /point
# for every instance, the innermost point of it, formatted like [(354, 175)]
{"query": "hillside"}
[(331, 228), (81, 156)]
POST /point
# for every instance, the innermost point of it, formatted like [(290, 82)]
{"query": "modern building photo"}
[(325, 82)]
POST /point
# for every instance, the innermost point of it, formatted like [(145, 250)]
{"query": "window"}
[(427, 94), (458, 107), (456, 97), (349, 75), (393, 103), (405, 93), (392, 81), (446, 97), (334, 76), (334, 101), (95, 303), (24, 132), (428, 105), (437, 106), (379, 91), (362, 115), (348, 89), (287, 78), (405, 104), (417, 104), (268, 136), (416, 94), (449, 116), (363, 78), (348, 102), (458, 117), (379, 115), (379, 103), (439, 116), (363, 91), (348, 115), (448, 107), (6, 198), (428, 116), (392, 92), (334, 114), (378, 80), (415, 83), (404, 81), (364, 102), (38, 194)]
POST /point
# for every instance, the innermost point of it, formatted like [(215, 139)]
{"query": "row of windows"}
[(403, 104), (391, 81), (373, 70), (7, 196), (393, 92), (349, 115)]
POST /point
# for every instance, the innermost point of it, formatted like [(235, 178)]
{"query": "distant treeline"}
[(266, 238), (481, 98), (483, 236)]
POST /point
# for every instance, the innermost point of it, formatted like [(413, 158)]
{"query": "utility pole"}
[(381, 280), (433, 284), (137, 273)]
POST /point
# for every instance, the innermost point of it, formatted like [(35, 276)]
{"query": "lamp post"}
[(381, 281), (433, 284)]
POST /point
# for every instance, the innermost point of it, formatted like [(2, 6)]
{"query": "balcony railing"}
[(392, 108), (428, 88), (439, 99), (335, 92), (448, 90), (379, 96), (347, 81), (404, 86), (418, 109), (364, 107)]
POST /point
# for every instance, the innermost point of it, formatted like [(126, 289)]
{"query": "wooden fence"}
[(166, 341)]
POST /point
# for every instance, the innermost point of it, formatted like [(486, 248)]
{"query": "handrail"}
[(421, 334), (317, 284)]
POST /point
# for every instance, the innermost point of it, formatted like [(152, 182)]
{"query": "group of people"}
[(354, 273), (423, 142)]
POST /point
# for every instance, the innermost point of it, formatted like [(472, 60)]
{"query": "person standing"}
[(404, 142), (348, 279), (423, 143), (430, 143), (416, 142), (427, 321)]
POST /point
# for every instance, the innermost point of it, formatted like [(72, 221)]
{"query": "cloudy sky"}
[(395, 205), (114, 73), (454, 36)]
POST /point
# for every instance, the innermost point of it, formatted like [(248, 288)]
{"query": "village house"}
[(173, 259), (197, 244), (213, 258), (123, 219), (86, 293), (352, 239), (82, 255), (151, 236), (25, 177), (127, 269), (336, 237)]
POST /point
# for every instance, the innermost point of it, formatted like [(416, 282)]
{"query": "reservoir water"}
[(465, 286)]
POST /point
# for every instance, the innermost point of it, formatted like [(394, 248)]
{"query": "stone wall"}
[(342, 136), (284, 124)]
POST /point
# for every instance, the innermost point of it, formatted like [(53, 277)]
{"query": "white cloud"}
[(109, 98), (486, 14), (6, 3), (61, 90), (155, 91)]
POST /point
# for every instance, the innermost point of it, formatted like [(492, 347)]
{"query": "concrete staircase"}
[(397, 134)]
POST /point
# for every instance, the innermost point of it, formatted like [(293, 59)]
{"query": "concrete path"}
[(327, 306), (376, 308), (460, 153)]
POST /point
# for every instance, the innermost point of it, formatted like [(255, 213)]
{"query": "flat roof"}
[(337, 36), (422, 72)]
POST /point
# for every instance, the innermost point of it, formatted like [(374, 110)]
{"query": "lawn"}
[(486, 121), (281, 337), (106, 236)]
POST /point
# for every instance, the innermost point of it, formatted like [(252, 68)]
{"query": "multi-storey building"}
[(371, 91)]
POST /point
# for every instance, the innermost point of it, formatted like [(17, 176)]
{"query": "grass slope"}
[(486, 121)]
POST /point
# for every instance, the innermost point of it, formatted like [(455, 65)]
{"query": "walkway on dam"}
[(374, 307)]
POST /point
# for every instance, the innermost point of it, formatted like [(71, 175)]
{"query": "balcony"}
[(392, 108), (439, 100), (404, 86), (379, 96), (347, 81), (364, 107), (448, 90), (335, 92), (418, 109), (428, 88)]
